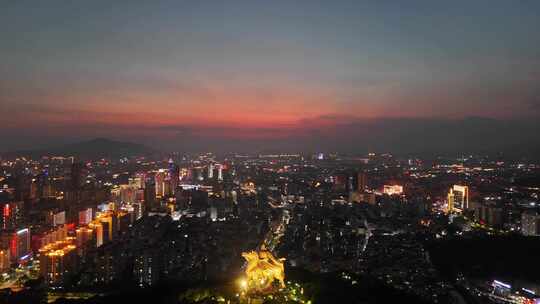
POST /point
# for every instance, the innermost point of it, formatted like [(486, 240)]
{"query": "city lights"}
[(270, 152)]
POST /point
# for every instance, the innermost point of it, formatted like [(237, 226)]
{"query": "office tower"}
[(458, 198)]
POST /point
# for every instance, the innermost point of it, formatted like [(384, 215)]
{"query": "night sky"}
[(410, 76)]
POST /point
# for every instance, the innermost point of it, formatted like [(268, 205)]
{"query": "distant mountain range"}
[(95, 148)]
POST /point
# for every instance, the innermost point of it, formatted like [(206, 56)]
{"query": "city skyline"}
[(273, 75), (269, 151)]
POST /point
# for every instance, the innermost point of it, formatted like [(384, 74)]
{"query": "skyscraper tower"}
[(160, 183), (220, 173), (76, 176), (210, 171)]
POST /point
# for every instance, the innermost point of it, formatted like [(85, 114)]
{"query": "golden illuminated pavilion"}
[(261, 271)]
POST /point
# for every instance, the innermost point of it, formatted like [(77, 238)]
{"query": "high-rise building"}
[(199, 174), (44, 238), (147, 266), (530, 223), (173, 177), (150, 193), (340, 182), (11, 215), (5, 261), (76, 176), (59, 218), (58, 260), (18, 243), (85, 216), (458, 198), (210, 171), (220, 173), (36, 186), (137, 181), (361, 183), (490, 213), (23, 243), (160, 183), (84, 239), (128, 193)]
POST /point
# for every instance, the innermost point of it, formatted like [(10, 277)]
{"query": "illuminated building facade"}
[(210, 171), (85, 216), (147, 267), (58, 260), (160, 182), (41, 239), (5, 261), (458, 198), (59, 218), (362, 197), (393, 189), (84, 238), (137, 181), (361, 181), (11, 215), (18, 243), (220, 173)]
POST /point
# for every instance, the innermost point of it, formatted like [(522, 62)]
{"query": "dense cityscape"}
[(270, 152), (441, 230)]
